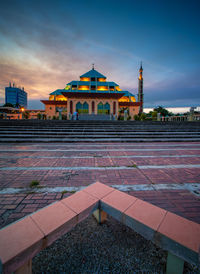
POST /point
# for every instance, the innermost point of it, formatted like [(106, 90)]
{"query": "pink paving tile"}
[(23, 239), (119, 200), (181, 230), (55, 220), (146, 214), (98, 190), (81, 203)]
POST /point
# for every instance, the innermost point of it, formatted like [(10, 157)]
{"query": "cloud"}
[(45, 45)]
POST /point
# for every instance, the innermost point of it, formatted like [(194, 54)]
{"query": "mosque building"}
[(93, 96)]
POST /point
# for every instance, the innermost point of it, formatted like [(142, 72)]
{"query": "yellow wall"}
[(85, 79), (133, 99), (102, 88), (101, 80), (57, 98), (118, 88), (124, 99), (83, 88)]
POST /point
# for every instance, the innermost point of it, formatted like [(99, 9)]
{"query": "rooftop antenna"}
[(93, 66)]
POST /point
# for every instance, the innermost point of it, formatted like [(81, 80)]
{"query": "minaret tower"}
[(140, 89)]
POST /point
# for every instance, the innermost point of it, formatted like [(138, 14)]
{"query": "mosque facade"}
[(94, 96)]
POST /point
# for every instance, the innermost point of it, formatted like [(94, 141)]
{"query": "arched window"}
[(82, 108), (79, 107), (85, 108), (106, 108), (100, 108)]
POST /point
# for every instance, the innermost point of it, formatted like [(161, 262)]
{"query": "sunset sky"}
[(46, 44)]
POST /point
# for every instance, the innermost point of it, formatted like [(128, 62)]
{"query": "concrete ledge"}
[(54, 221), (22, 240), (19, 242), (82, 203), (98, 190)]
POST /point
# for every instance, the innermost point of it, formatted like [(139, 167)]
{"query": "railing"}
[(181, 118), (22, 240)]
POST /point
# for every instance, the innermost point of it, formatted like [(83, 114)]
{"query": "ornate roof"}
[(93, 73), (57, 92), (86, 83)]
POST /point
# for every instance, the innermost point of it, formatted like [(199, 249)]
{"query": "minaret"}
[(140, 89)]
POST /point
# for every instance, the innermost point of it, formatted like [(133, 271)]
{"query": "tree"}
[(136, 117), (39, 116), (17, 105), (26, 114), (164, 112), (8, 105), (142, 116), (154, 115)]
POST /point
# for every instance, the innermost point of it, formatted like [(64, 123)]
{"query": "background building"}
[(15, 96)]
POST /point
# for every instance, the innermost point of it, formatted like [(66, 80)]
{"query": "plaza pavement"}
[(164, 174)]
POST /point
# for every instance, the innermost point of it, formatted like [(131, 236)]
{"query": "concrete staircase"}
[(98, 131), (95, 117)]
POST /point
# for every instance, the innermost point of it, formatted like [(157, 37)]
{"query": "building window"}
[(93, 79), (93, 87)]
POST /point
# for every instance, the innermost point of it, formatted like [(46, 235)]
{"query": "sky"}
[(46, 44)]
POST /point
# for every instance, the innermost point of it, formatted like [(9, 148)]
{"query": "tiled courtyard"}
[(165, 174)]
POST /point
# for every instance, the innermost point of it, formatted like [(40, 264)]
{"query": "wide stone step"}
[(110, 130), (94, 136), (103, 140), (99, 135), (97, 131)]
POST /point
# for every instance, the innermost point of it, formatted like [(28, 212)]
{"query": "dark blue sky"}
[(46, 44)]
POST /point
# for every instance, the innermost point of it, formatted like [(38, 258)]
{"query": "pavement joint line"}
[(98, 156), (102, 168), (140, 187), (88, 150)]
